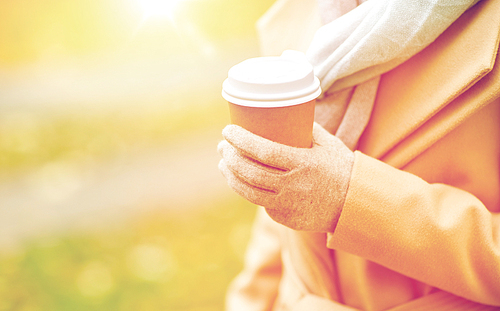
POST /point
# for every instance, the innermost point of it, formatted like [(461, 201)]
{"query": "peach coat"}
[(420, 227)]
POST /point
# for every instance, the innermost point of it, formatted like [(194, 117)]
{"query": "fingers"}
[(249, 171), (260, 149), (253, 194)]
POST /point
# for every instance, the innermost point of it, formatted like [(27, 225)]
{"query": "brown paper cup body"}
[(290, 125)]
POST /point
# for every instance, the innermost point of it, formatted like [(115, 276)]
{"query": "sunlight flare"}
[(164, 8)]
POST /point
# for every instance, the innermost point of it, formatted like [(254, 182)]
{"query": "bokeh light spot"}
[(95, 280), (151, 262)]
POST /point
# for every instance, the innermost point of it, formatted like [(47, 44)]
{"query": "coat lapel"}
[(278, 29), (423, 99)]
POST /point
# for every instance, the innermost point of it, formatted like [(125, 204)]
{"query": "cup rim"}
[(270, 102)]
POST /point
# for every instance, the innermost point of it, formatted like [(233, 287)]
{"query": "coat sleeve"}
[(435, 233), (256, 287)]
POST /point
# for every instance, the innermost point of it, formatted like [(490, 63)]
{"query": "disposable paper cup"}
[(274, 97), (291, 125)]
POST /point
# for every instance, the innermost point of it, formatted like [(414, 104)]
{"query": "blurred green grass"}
[(177, 258), (166, 261)]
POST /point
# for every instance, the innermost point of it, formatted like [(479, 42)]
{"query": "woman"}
[(409, 220)]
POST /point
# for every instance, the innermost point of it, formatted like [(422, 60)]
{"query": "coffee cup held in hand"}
[(274, 97)]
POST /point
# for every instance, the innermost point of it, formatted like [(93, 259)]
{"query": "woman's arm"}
[(435, 233)]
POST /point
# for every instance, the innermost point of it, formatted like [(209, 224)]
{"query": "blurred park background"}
[(110, 114)]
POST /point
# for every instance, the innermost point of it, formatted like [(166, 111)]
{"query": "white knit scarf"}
[(350, 44), (361, 40)]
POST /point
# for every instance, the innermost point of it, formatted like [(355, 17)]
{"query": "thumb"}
[(322, 137)]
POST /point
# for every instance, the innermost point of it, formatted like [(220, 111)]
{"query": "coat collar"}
[(428, 91)]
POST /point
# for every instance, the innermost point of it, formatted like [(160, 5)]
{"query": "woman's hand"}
[(301, 188)]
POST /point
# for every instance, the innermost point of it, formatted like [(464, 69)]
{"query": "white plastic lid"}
[(272, 81)]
